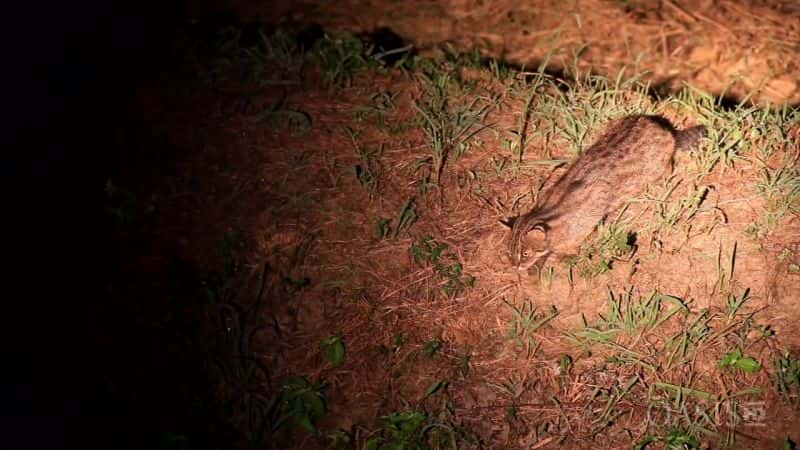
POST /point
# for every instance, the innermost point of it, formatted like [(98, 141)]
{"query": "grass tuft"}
[(445, 264), (449, 124)]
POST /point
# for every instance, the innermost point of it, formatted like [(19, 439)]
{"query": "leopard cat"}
[(634, 152)]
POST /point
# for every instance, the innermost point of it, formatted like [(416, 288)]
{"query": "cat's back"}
[(633, 152)]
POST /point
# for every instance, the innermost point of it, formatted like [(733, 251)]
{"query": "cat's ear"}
[(508, 223), (538, 231)]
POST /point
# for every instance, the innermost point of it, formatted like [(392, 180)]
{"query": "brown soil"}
[(229, 188), (723, 46)]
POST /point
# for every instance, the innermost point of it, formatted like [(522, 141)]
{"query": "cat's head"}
[(527, 244)]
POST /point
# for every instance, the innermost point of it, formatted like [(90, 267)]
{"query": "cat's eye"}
[(527, 253)]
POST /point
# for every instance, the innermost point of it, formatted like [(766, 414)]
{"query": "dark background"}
[(69, 72)]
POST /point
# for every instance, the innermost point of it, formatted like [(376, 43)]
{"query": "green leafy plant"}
[(435, 387), (463, 361), (299, 403), (786, 376), (669, 210), (571, 111), (626, 319), (735, 131), (402, 430), (612, 243), (340, 440), (342, 55), (449, 126), (737, 360), (418, 430), (527, 320), (380, 107), (431, 348), (367, 170), (407, 216), (445, 264), (734, 304), (334, 350), (398, 341), (780, 188), (384, 228), (676, 439)]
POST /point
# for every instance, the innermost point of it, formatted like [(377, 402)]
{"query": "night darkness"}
[(276, 225), (75, 71)]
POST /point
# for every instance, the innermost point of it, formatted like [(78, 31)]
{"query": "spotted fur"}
[(634, 152)]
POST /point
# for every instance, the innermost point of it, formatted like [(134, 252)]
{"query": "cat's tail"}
[(689, 138)]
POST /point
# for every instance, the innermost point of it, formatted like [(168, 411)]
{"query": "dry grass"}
[(719, 46), (297, 200)]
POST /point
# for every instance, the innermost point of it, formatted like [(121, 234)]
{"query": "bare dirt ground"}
[(294, 249), (742, 48)]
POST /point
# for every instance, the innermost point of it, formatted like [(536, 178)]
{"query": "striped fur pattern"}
[(634, 152)]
